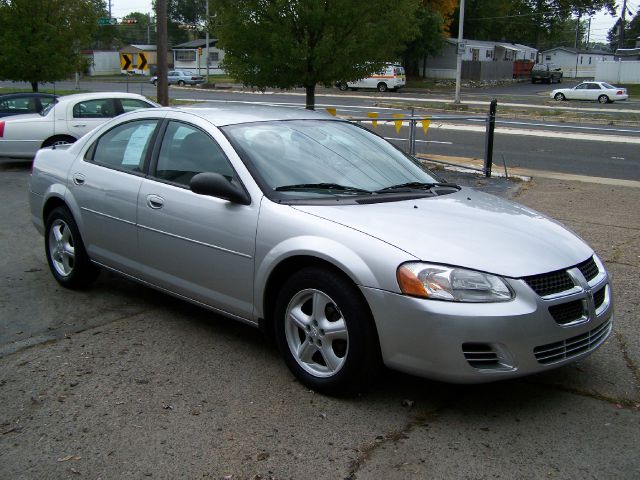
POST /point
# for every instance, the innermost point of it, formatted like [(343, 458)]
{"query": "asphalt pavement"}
[(125, 382)]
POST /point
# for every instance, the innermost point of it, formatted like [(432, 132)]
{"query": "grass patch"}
[(220, 78), (633, 90), (428, 84)]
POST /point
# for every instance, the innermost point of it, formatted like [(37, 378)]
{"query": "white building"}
[(102, 62), (190, 56), (576, 63)]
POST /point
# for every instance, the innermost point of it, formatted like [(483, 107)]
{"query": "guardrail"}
[(399, 119)]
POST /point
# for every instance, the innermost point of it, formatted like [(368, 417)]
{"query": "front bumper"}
[(483, 342)]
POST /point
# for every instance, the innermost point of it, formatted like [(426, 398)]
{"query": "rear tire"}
[(382, 87), (325, 332), (66, 255), (181, 83), (58, 140), (343, 87), (603, 99)]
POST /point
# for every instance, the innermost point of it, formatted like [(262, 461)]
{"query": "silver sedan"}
[(339, 245)]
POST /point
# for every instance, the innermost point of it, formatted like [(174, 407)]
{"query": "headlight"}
[(439, 282)]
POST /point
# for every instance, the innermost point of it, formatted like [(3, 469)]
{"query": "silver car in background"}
[(328, 237)]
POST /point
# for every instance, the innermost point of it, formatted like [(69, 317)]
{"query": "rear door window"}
[(124, 147), (131, 104), (100, 108)]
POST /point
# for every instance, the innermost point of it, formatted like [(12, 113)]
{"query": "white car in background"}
[(65, 121), (601, 92)]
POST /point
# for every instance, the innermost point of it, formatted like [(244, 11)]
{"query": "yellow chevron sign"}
[(125, 61), (142, 62)]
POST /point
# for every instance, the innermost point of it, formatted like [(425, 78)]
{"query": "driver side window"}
[(187, 151)]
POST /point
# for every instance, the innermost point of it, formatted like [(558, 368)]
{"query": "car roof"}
[(98, 95), (27, 94), (245, 113)]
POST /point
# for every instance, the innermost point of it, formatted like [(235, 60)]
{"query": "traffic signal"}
[(184, 26), (129, 21)]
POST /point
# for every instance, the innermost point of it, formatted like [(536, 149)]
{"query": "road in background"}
[(567, 147)]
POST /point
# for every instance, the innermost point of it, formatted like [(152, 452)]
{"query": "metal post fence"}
[(491, 125), (489, 120)]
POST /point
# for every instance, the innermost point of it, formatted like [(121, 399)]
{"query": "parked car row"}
[(64, 120), (345, 249)]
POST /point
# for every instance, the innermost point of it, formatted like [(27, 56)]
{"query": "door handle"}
[(155, 202), (78, 178), (79, 124)]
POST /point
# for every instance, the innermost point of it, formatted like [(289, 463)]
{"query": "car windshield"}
[(606, 85), (311, 158)]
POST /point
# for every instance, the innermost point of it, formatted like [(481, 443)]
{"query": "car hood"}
[(468, 228)]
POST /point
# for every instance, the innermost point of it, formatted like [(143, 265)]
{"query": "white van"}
[(391, 78)]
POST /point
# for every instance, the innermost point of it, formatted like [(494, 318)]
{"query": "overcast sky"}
[(600, 24)]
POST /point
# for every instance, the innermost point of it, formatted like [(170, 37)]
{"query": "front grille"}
[(549, 283), (598, 297), (567, 312), (588, 268), (571, 347), (480, 355)]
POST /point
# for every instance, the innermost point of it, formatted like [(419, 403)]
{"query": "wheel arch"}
[(283, 270), (49, 141), (57, 197)]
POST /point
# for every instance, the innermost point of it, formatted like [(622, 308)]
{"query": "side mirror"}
[(215, 185)]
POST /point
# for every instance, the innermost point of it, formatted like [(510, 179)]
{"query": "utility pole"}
[(577, 42), (161, 49), (621, 25), (460, 51), (109, 9), (206, 25), (589, 33)]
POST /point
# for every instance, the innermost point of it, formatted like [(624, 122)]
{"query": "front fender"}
[(284, 233)]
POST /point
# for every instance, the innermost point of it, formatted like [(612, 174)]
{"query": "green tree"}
[(630, 36), (543, 23), (41, 39), (284, 43), (429, 41)]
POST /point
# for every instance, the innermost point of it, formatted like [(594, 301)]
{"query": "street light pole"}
[(161, 49), (207, 39), (460, 53)]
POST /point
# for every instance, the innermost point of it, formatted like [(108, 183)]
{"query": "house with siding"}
[(576, 63), (190, 56), (503, 55)]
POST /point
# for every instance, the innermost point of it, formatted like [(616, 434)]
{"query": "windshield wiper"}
[(408, 186), (320, 186)]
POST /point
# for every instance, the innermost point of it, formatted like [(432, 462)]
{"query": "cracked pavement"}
[(120, 381)]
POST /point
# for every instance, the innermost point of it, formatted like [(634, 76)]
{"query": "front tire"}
[(181, 83), (603, 99), (559, 97), (325, 332), (343, 87), (66, 255)]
